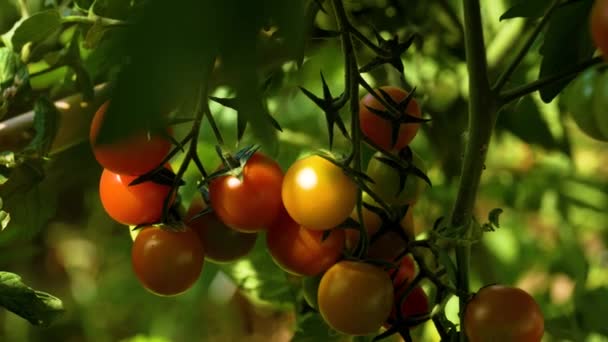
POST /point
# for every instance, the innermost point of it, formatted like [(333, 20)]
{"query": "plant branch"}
[(24, 8), (77, 19), (517, 92), (506, 75), (482, 117)]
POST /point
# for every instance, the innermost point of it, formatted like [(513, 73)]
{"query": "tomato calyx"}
[(393, 49), (234, 103), (331, 107)]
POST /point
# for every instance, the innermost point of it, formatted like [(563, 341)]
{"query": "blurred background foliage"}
[(550, 179)]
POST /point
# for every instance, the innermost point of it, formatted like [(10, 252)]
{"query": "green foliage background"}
[(550, 179)]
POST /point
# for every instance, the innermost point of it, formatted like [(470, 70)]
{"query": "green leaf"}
[(35, 28), (567, 42), (572, 261), (592, 312), (525, 121), (116, 9), (527, 9), (564, 328), (46, 123), (39, 308), (5, 217), (14, 77), (29, 201)]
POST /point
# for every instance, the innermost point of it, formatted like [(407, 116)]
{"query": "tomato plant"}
[(599, 25), (303, 251), (584, 100), (220, 242), (387, 180), (503, 314), (133, 155), (318, 194), (355, 298), (131, 205), (167, 262), (379, 129), (250, 201)]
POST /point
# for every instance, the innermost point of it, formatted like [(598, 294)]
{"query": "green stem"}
[(76, 19), (517, 92), (24, 8), (506, 75), (482, 117)]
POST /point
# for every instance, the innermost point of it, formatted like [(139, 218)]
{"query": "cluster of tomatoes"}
[(309, 216)]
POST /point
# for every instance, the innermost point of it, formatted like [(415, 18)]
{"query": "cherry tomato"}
[(221, 243), (252, 202), (310, 285), (500, 313), (404, 274), (599, 25), (134, 155), (303, 251), (416, 304), (131, 205), (167, 262), (386, 181), (378, 129), (355, 298), (318, 194)]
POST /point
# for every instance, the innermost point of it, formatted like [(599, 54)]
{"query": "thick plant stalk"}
[(482, 117)]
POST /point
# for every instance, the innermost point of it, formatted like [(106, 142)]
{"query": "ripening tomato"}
[(251, 202), (221, 243), (167, 262), (318, 194), (132, 205), (500, 313), (355, 298), (134, 155), (599, 25), (303, 251), (386, 181), (415, 305), (378, 129)]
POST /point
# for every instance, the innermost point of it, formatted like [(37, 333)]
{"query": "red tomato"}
[(599, 25), (318, 194), (131, 205), (404, 274), (378, 129), (167, 262), (252, 202), (303, 251), (414, 305), (220, 242), (134, 155), (500, 313)]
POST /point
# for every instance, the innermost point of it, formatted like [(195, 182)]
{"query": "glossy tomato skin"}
[(131, 205), (221, 243), (355, 298), (134, 155), (386, 181), (252, 203), (404, 274), (302, 251), (416, 304), (167, 263), (500, 313), (599, 25), (318, 194), (378, 129)]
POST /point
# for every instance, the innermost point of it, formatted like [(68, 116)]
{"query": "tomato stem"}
[(482, 117)]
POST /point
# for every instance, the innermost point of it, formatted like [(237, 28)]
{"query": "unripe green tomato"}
[(386, 181), (600, 104), (579, 99)]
